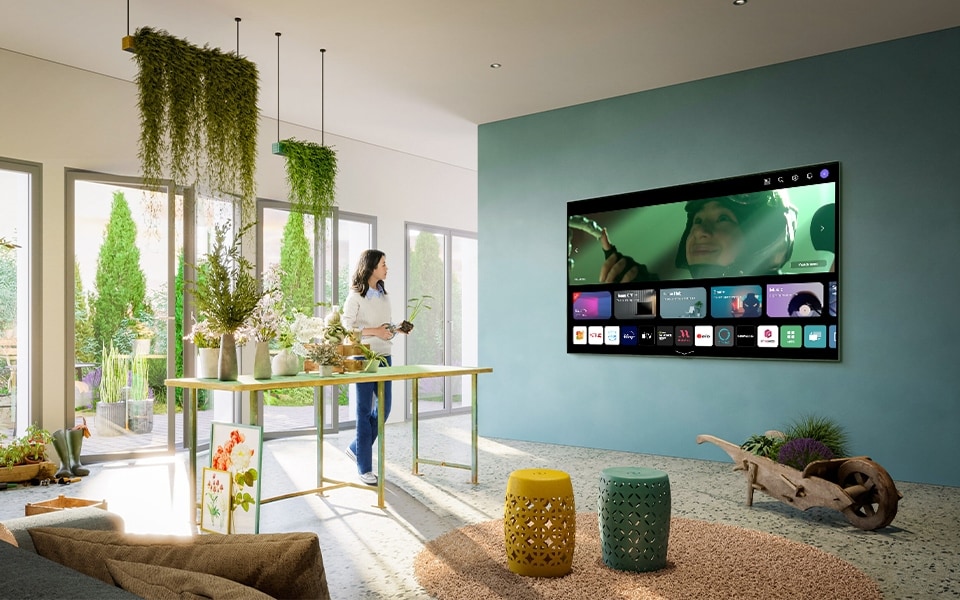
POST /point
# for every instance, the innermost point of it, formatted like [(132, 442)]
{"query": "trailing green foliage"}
[(824, 430), (120, 285), (226, 290), (198, 115), (312, 174)]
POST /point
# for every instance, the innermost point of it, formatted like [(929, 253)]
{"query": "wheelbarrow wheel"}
[(874, 494)]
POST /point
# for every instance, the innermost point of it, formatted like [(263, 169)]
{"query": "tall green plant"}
[(139, 378), (312, 174), (8, 288), (296, 266), (198, 114), (226, 290), (113, 376), (120, 284)]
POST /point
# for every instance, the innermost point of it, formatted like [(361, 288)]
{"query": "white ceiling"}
[(415, 76)]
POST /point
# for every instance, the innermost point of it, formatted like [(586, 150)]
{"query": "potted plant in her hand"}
[(415, 305)]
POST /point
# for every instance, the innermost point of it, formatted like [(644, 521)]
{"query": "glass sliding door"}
[(442, 265), (287, 241), (122, 268), (20, 393)]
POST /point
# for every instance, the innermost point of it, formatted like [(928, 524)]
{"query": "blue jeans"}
[(362, 446)]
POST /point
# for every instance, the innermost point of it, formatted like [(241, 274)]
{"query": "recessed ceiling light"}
[(739, 2), (495, 65)]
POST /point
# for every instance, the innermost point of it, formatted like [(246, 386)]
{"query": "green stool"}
[(634, 516)]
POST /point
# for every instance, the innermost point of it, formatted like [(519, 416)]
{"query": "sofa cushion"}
[(85, 517), (26, 575), (282, 565), (154, 582)]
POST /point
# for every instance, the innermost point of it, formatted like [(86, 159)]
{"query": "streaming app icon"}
[(791, 336), (815, 336), (723, 336), (595, 335), (629, 336), (611, 335), (703, 335), (646, 336), (683, 335), (746, 335), (768, 336), (664, 335), (579, 335), (832, 336)]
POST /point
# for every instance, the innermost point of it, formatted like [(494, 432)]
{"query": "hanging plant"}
[(198, 115), (311, 173)]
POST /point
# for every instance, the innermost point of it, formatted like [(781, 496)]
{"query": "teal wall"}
[(890, 113)]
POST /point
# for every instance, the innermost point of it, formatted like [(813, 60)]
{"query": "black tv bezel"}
[(754, 182)]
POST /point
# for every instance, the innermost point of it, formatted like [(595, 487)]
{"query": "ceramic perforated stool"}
[(634, 516), (539, 522)]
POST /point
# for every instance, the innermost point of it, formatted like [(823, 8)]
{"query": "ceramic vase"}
[(326, 370), (207, 363), (227, 365), (261, 361), (285, 363)]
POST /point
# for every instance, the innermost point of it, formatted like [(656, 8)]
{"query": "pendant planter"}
[(208, 363), (227, 369), (285, 363), (261, 361)]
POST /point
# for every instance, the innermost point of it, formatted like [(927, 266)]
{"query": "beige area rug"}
[(704, 561)]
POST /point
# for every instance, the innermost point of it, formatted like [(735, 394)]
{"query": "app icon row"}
[(784, 300), (721, 336)]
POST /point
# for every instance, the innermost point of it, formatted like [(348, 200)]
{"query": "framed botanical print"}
[(215, 504), (238, 450)]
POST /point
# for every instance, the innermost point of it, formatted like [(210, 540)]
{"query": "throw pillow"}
[(6, 535), (154, 582), (282, 565)]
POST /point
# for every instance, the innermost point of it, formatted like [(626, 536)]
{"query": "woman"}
[(367, 308)]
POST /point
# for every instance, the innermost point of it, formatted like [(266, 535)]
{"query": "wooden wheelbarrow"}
[(856, 486)]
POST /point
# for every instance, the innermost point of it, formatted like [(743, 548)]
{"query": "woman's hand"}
[(384, 332)]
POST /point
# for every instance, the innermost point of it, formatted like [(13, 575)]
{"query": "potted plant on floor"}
[(111, 408), (25, 458), (139, 405)]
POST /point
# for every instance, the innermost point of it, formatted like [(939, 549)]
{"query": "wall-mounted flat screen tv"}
[(743, 267)]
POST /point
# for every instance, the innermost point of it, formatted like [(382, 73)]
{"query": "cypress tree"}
[(296, 263), (120, 283)]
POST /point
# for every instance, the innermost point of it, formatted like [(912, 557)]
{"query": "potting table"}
[(246, 383)]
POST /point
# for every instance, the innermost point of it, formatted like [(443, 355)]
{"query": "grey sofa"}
[(29, 575)]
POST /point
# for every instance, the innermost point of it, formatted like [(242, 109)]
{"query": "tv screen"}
[(743, 267)]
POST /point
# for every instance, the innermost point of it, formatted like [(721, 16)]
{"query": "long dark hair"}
[(369, 259)]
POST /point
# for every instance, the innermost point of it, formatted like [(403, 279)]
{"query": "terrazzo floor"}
[(368, 552)]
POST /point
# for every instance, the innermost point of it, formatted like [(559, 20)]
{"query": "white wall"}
[(66, 118)]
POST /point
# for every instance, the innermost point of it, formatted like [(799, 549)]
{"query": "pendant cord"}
[(237, 19), (278, 87), (128, 18), (323, 52)]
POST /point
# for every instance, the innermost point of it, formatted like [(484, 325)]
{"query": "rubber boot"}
[(75, 442), (63, 452)]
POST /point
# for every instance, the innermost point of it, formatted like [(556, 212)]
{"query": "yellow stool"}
[(539, 523)]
